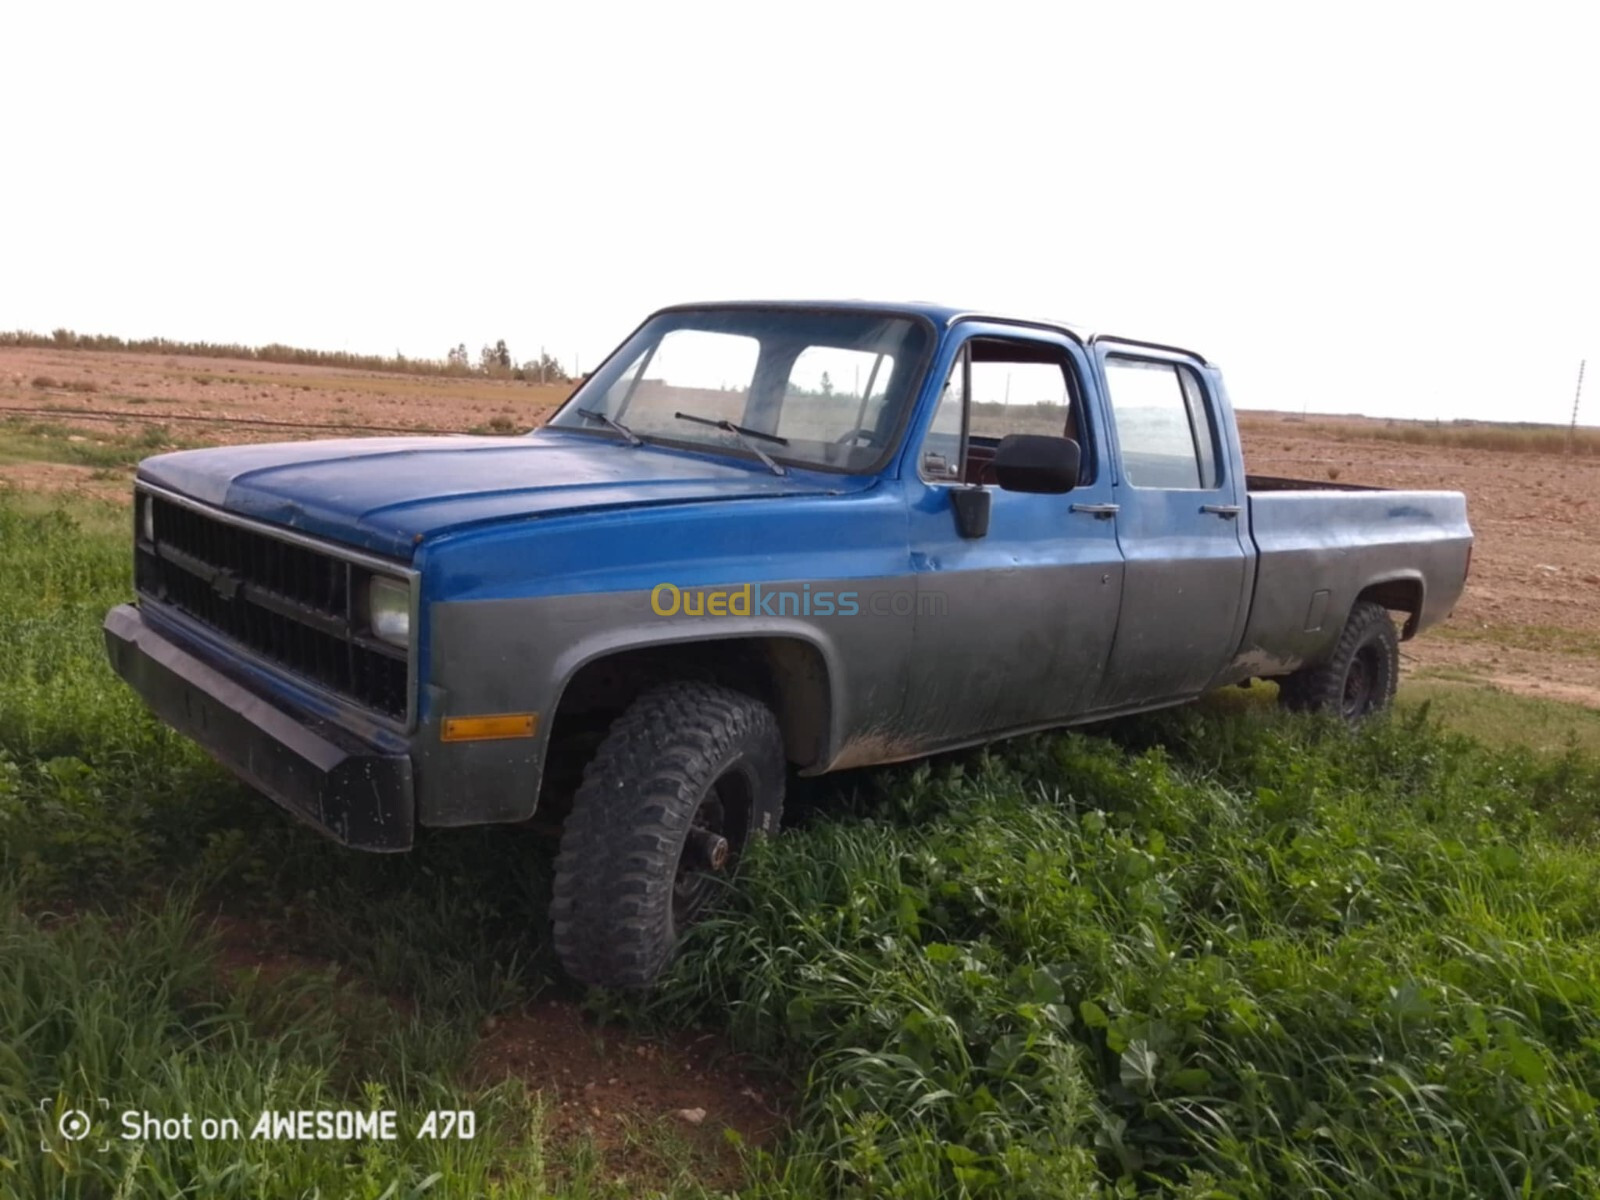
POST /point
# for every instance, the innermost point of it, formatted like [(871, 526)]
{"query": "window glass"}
[(1161, 425), (1200, 419), (692, 370), (1017, 387), (827, 388), (836, 393), (1018, 397), (941, 449)]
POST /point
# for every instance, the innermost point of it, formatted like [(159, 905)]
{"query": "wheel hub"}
[(1358, 686), (707, 850)]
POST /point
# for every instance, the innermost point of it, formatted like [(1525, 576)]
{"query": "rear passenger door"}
[(1180, 496)]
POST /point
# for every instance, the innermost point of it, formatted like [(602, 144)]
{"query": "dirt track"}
[(1530, 621)]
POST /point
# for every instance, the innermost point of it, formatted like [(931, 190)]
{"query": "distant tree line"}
[(493, 360)]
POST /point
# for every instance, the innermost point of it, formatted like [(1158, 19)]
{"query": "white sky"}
[(1384, 208)]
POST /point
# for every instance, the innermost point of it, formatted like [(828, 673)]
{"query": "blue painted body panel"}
[(387, 494), (538, 554)]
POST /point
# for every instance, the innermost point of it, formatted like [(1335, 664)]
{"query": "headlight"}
[(147, 518), (389, 610)]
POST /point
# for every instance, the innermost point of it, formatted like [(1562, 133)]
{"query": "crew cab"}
[(759, 538)]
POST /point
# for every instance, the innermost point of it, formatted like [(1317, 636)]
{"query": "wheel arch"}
[(791, 673), (1401, 592)]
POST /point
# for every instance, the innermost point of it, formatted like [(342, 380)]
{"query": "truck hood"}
[(387, 494)]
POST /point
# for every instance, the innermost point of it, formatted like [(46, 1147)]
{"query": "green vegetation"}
[(1498, 718), (1213, 953), (1551, 639), (29, 440), (118, 840)]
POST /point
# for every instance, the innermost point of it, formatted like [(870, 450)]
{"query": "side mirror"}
[(1032, 462)]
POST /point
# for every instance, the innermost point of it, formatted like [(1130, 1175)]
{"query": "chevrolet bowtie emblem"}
[(225, 584)]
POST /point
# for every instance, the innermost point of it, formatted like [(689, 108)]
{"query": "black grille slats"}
[(316, 580), (248, 586)]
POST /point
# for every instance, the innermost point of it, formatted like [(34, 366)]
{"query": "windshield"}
[(814, 388)]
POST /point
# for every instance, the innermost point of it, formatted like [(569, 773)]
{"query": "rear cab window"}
[(1165, 431)]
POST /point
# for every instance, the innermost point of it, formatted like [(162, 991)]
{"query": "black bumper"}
[(359, 796)]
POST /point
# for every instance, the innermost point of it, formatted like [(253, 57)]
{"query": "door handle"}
[(1226, 511), (1102, 512)]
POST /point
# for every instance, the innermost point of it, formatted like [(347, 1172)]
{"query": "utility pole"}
[(1572, 434)]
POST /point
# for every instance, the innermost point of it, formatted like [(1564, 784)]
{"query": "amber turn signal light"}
[(482, 729)]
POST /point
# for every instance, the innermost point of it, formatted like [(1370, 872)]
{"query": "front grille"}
[(288, 602)]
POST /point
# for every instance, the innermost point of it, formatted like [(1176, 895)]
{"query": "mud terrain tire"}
[(1359, 678), (683, 779)]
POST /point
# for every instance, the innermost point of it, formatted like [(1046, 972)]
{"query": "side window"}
[(1163, 426), (1016, 387), (940, 459), (1018, 397), (1205, 438)]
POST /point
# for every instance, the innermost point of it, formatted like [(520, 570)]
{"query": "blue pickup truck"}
[(760, 538)]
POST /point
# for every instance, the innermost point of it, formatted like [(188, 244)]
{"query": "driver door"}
[(1012, 628)]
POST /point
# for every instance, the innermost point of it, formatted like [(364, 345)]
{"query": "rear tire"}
[(1359, 678), (685, 777)]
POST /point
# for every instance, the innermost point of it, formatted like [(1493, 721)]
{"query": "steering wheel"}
[(860, 431)]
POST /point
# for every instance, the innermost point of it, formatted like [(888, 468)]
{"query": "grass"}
[(1552, 639), (1461, 702), (118, 840), (29, 440), (1213, 953), (1498, 718)]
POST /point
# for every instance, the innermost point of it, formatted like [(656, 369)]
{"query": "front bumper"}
[(359, 796)]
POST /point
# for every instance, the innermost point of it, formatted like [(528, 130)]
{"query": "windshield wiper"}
[(633, 438), (746, 437)]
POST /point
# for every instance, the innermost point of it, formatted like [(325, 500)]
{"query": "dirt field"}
[(1530, 621)]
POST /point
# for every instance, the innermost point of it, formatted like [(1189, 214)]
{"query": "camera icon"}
[(72, 1125)]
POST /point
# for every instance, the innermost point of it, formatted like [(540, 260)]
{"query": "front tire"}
[(1359, 678), (685, 777)]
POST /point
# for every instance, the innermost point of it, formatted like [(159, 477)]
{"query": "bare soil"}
[(198, 398), (1530, 619), (619, 1092), (608, 1086)]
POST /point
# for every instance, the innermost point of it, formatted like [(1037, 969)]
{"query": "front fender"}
[(520, 655)]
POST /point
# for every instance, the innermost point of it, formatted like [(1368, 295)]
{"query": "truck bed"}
[(1281, 483), (1321, 546)]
